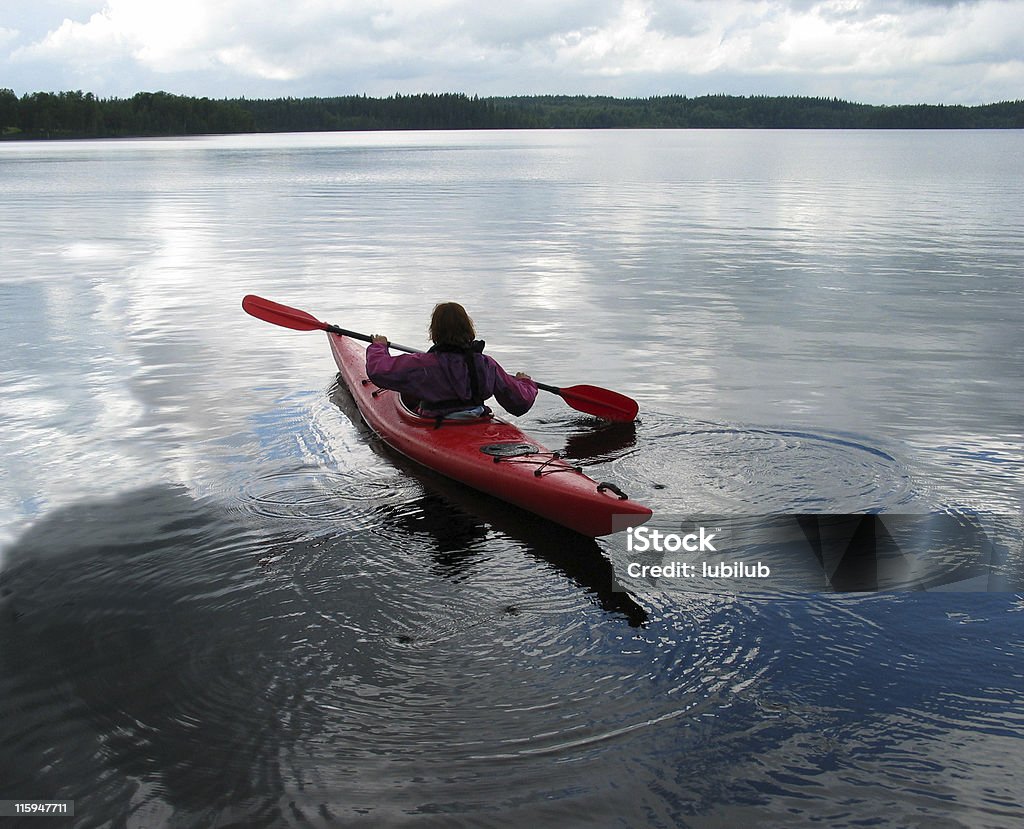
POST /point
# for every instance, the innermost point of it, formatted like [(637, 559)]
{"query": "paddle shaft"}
[(582, 398), (355, 335), (561, 392), (590, 399), (366, 338)]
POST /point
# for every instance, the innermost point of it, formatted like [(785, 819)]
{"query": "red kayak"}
[(488, 454)]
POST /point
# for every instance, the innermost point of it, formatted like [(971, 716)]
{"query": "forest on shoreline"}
[(76, 114)]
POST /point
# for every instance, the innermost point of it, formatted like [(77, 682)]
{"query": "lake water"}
[(224, 602)]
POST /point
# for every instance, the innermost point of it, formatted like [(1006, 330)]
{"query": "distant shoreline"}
[(76, 115)]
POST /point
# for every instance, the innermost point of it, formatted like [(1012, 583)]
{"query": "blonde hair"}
[(451, 325)]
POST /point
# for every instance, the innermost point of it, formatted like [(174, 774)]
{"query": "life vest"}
[(468, 354)]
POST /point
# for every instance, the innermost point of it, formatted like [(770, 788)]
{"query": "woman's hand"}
[(379, 339), (522, 375)]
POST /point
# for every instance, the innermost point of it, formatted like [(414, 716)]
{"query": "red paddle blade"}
[(599, 402), (282, 315)]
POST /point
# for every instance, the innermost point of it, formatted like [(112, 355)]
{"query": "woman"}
[(455, 377)]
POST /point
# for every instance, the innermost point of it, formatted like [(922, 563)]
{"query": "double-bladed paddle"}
[(593, 400)]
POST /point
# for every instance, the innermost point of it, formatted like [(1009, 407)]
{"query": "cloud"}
[(946, 51), (836, 37), (158, 35)]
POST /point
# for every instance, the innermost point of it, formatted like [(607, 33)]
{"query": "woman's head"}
[(451, 325)]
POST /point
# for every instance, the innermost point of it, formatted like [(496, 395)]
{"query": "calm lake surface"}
[(223, 602)]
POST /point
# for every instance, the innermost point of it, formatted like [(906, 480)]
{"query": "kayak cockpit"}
[(408, 408)]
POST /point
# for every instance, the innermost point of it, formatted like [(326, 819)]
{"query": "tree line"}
[(83, 115)]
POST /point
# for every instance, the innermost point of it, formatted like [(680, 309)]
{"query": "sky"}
[(870, 51)]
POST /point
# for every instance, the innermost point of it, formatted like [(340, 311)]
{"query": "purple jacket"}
[(442, 377)]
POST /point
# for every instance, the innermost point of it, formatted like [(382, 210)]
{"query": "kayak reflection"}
[(600, 441)]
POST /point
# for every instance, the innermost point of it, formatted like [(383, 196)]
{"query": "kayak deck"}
[(490, 455)]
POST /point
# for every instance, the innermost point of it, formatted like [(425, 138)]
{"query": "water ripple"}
[(708, 467), (317, 495)]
